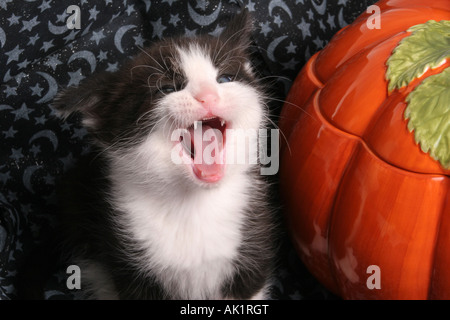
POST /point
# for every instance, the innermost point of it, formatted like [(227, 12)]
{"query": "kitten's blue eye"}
[(167, 89), (224, 78)]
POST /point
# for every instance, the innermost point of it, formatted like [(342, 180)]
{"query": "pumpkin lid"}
[(394, 95)]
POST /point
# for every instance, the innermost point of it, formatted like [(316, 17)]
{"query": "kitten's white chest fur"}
[(189, 237)]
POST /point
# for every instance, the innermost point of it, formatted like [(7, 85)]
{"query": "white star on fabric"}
[(112, 67), (330, 21), (53, 62), (16, 154), (33, 39), (47, 45), (35, 149), (10, 132), (4, 3), (40, 120), (291, 64), (14, 54), (265, 28), (13, 19), (321, 25), (130, 9), (75, 77), (23, 64), (97, 36), (10, 91), (217, 31), (291, 48), (30, 24), (158, 28), (138, 40), (202, 4), (174, 19), (71, 36), (45, 5), (277, 20), (190, 33), (318, 42), (250, 6), (304, 27), (93, 13), (22, 112), (103, 55), (62, 17), (36, 90)]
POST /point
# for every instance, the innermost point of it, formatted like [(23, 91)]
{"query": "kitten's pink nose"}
[(208, 97)]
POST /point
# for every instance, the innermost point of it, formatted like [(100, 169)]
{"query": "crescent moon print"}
[(272, 46), (279, 3), (341, 21), (5, 107), (51, 293), (204, 20), (2, 37), (86, 55), (52, 87), (27, 175), (119, 35), (57, 29), (48, 134), (320, 8)]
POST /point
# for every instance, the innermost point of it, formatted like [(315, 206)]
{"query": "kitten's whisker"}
[(158, 71), (293, 105), (279, 130), (148, 55), (162, 58), (225, 43)]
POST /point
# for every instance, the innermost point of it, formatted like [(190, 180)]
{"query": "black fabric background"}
[(40, 55)]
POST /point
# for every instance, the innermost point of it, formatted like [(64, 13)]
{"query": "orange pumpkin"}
[(367, 208)]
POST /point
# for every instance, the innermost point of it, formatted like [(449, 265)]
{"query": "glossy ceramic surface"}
[(357, 188)]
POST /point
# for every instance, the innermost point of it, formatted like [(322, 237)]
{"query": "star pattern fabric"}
[(40, 54)]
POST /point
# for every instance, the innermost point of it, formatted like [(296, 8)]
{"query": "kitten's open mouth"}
[(204, 142)]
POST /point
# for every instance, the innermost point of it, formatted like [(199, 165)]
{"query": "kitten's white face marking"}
[(220, 105)]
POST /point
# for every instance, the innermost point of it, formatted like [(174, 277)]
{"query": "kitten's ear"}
[(83, 99), (239, 29)]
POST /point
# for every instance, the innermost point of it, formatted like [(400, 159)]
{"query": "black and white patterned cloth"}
[(39, 55)]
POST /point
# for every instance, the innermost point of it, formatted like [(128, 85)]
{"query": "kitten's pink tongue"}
[(208, 166)]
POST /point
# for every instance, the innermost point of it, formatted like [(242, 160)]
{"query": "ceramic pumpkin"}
[(365, 164)]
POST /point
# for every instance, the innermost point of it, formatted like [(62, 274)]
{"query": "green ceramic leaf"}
[(427, 47), (428, 112)]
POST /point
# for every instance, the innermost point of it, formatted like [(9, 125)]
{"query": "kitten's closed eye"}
[(166, 89), (225, 78)]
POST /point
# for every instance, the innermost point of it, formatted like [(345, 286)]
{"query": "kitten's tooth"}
[(195, 125), (222, 123)]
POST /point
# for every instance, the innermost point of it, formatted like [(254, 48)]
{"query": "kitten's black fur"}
[(115, 102)]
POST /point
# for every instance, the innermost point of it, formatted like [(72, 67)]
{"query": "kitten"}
[(139, 224)]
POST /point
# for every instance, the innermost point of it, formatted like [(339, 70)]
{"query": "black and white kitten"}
[(140, 225)]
